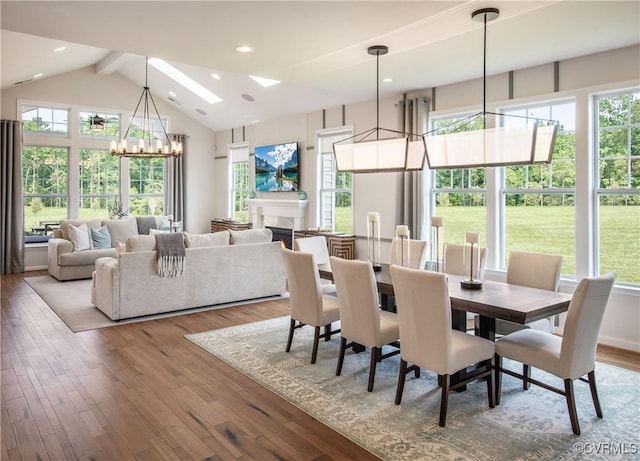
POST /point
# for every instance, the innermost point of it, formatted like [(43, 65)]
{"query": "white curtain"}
[(11, 198)]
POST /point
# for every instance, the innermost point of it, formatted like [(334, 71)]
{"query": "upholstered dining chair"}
[(362, 321), (308, 305), (427, 339), (453, 260), (417, 253), (317, 245), (569, 357)]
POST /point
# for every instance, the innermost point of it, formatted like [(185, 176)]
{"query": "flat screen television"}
[(277, 168)]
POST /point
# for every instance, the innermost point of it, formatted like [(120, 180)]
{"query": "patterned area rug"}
[(526, 425)]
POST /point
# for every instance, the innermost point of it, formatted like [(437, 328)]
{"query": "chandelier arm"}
[(134, 115), (158, 115), (457, 122), (537, 119)]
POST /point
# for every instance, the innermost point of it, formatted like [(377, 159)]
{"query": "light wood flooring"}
[(142, 391)]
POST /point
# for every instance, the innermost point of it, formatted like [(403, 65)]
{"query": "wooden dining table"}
[(495, 300)]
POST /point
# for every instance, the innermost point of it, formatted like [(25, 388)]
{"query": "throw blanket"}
[(145, 223), (171, 252)]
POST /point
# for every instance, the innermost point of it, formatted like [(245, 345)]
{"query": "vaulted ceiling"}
[(317, 49)]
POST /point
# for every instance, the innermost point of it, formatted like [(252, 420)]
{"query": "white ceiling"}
[(318, 49)]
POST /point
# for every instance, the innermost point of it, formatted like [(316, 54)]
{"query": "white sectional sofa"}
[(219, 268)]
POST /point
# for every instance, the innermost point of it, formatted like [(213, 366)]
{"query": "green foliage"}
[(36, 206)]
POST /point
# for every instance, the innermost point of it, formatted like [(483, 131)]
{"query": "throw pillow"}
[(121, 229), (250, 236), (79, 237), (100, 237), (141, 243), (215, 239), (158, 231)]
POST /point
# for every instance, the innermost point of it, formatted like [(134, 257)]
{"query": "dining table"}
[(494, 300)]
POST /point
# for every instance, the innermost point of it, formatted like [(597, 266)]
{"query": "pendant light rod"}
[(378, 50), (485, 15)]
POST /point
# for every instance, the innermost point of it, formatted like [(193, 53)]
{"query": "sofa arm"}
[(107, 287), (57, 247)]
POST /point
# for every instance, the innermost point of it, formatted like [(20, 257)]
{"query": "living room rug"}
[(71, 301), (531, 424)]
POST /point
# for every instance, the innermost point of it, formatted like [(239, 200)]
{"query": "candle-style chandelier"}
[(148, 145)]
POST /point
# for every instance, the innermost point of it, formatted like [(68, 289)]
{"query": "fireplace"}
[(282, 234)]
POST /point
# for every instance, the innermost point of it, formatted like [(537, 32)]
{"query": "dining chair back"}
[(362, 322), (316, 245), (417, 253), (308, 305), (427, 338), (535, 270), (569, 357), (454, 257)]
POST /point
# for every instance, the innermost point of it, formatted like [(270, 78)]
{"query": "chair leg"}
[(594, 393), (498, 373), (375, 358), (490, 383), (401, 377), (571, 403), (444, 400), (292, 327), (526, 374), (327, 332), (316, 339), (343, 346)]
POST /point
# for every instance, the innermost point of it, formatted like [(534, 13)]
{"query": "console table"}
[(225, 224), (339, 245)]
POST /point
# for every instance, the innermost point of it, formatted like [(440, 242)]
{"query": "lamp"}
[(373, 240), (146, 149), (379, 155), (402, 256), (436, 224), (470, 256), (518, 144)]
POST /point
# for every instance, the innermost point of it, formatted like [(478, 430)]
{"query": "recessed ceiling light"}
[(60, 48), (184, 80), (172, 94), (265, 82), (216, 76), (387, 80), (244, 49), (38, 75)]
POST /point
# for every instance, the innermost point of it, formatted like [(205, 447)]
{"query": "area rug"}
[(71, 301), (531, 424)]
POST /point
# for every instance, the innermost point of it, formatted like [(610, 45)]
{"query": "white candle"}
[(472, 237), (373, 216), (113, 146), (437, 221), (401, 231), (170, 217)]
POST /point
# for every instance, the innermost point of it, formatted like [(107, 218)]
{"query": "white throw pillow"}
[(158, 231), (121, 229), (79, 237), (250, 236), (216, 239)]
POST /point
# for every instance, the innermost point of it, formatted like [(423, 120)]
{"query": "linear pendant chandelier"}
[(146, 147), (357, 154), (528, 141)]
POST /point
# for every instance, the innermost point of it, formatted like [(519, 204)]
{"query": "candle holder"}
[(402, 256), (373, 240), (471, 255), (437, 223)]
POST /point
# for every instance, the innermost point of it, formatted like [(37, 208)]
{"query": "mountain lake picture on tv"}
[(277, 168)]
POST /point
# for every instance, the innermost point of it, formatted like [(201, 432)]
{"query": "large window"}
[(146, 186), (617, 184), (239, 181), (539, 199), (335, 188), (99, 183), (460, 193), (50, 121)]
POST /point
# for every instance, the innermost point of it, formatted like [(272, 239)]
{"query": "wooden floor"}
[(141, 391)]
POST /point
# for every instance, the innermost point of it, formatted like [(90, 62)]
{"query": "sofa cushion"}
[(64, 225), (84, 258), (141, 243), (100, 238), (250, 236), (216, 239), (121, 229), (79, 236)]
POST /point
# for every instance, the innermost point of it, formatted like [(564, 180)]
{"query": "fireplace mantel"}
[(294, 209)]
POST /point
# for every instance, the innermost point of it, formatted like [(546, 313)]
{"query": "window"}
[(44, 179), (239, 181), (335, 191), (111, 126), (50, 121), (460, 193), (99, 183), (617, 184), (539, 199), (146, 186)]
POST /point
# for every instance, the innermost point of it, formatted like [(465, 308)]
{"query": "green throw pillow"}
[(101, 237)]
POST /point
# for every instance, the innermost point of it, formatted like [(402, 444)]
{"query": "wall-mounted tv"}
[(277, 168)]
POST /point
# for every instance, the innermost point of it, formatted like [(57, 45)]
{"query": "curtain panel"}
[(11, 197)]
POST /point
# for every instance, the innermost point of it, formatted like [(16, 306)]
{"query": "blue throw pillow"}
[(100, 237)]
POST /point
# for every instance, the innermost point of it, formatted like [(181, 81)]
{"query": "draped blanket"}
[(171, 253)]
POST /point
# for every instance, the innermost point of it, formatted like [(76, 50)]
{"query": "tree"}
[(36, 206)]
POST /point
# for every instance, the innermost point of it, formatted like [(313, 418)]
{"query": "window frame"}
[(238, 153)]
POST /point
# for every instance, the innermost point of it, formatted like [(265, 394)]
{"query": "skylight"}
[(184, 80), (265, 82)]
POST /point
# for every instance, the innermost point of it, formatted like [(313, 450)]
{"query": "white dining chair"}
[(569, 357), (308, 305), (317, 245), (417, 253), (362, 321), (427, 339)]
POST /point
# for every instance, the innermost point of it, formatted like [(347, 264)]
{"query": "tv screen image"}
[(277, 168)]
